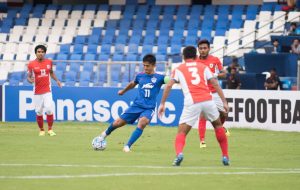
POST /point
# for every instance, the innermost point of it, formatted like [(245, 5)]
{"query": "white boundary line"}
[(144, 174), (144, 167)]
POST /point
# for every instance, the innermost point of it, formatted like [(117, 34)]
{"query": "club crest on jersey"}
[(211, 65), (48, 66), (153, 79), (148, 85)]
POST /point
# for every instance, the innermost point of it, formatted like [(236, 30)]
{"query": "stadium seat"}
[(85, 78), (70, 78)]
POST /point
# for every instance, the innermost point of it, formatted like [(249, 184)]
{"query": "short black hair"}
[(40, 47), (189, 52), (275, 40), (150, 58), (293, 24), (273, 69), (204, 41)]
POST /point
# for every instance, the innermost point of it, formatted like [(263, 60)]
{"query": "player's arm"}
[(129, 86), (165, 95), (30, 75), (52, 74), (222, 73)]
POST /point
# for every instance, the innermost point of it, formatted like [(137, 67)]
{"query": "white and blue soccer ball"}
[(98, 143)]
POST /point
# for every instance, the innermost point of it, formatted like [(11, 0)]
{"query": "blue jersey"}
[(148, 89)]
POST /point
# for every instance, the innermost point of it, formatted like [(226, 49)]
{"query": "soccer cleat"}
[(42, 133), (202, 144), (225, 161), (177, 161), (51, 133), (126, 148), (227, 133)]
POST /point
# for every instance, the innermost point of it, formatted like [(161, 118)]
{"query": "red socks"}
[(202, 128), (222, 139), (50, 121), (179, 143), (40, 122)]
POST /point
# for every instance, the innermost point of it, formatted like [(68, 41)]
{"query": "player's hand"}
[(31, 79), (59, 84), (161, 110), (121, 92)]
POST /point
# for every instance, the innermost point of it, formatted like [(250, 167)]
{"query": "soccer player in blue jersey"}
[(143, 106)]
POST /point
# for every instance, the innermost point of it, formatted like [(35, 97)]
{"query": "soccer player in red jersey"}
[(216, 67), (40, 73), (193, 78)]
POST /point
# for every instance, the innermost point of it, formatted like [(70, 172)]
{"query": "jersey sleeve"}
[(208, 74), (219, 64), (29, 68)]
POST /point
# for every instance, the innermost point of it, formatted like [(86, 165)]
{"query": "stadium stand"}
[(104, 33)]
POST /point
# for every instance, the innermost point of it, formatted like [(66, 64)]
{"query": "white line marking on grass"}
[(144, 174), (144, 167)]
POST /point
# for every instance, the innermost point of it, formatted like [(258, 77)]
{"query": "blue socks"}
[(134, 136), (110, 129)]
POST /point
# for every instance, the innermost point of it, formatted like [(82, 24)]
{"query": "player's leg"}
[(113, 126), (49, 113), (202, 130), (223, 114), (188, 118), (211, 113), (137, 133), (38, 102), (223, 117), (144, 119)]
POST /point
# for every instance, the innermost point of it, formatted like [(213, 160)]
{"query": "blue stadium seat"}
[(70, 78), (59, 75), (190, 40), (121, 39), (115, 73), (162, 49), (80, 40), (119, 48), (91, 7), (131, 57), (169, 10), (21, 21), (148, 40), (182, 10), (176, 49), (88, 66), (105, 48), (118, 57), (104, 57), (61, 66), (65, 48), (89, 57), (176, 40), (108, 38), (125, 24), (78, 48), (62, 56), (79, 7), (74, 66), (85, 78), (111, 24), (133, 48), (94, 39), (103, 7), (135, 39), (147, 49), (163, 40), (97, 31), (92, 48), (176, 59), (76, 57)]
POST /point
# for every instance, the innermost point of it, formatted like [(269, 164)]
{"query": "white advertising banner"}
[(271, 110)]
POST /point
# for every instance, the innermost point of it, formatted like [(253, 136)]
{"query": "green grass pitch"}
[(259, 160)]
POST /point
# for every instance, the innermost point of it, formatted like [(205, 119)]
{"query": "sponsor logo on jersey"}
[(148, 85)]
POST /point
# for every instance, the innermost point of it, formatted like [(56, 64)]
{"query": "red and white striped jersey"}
[(193, 80)]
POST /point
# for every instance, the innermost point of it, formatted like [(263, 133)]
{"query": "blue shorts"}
[(133, 113)]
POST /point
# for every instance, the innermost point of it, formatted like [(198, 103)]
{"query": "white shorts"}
[(218, 101), (190, 114), (43, 102)]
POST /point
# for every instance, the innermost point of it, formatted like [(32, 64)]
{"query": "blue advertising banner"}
[(85, 104)]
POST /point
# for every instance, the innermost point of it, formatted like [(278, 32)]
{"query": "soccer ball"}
[(98, 144)]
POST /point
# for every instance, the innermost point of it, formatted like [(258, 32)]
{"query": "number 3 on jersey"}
[(195, 76), (147, 93)]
